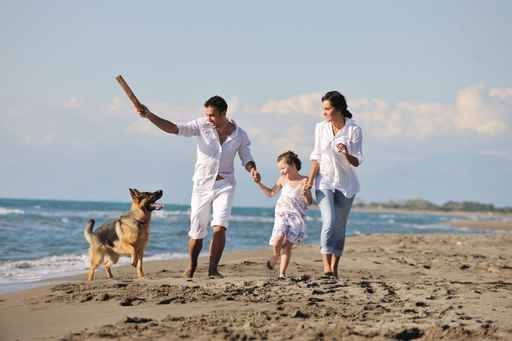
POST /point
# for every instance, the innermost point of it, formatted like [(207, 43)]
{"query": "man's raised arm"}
[(165, 125)]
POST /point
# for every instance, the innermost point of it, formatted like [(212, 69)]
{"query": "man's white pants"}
[(215, 204)]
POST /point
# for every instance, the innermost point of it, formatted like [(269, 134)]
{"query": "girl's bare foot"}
[(271, 262)]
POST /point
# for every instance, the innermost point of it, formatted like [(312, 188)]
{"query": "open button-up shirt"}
[(214, 158), (336, 173)]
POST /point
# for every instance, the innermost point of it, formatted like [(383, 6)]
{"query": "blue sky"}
[(429, 83)]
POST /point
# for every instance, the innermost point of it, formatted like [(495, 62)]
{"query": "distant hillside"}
[(424, 205)]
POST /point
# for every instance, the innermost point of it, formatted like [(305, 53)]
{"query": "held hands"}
[(306, 194), (308, 185), (255, 175)]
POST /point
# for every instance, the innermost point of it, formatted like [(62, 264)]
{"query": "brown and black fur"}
[(128, 235)]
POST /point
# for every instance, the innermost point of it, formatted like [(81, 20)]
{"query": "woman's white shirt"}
[(213, 158), (336, 173)]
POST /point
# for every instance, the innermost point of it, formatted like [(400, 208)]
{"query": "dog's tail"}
[(88, 230)]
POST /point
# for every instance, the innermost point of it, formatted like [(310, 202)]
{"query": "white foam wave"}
[(252, 219), (24, 271), (43, 268), (439, 226), (386, 216), (171, 215), (80, 214), (6, 211), (261, 219)]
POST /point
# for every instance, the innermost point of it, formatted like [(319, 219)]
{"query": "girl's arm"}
[(270, 192), (307, 193)]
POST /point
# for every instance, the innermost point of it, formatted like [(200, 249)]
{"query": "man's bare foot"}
[(189, 273), (215, 274)]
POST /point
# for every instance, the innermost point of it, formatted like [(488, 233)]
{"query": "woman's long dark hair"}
[(338, 101)]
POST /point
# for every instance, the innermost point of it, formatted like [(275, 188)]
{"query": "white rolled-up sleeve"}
[(355, 147), (189, 129), (244, 151), (316, 153)]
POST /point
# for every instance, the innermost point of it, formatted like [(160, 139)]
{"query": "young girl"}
[(289, 220)]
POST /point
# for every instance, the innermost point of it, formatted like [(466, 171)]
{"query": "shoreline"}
[(486, 214), (427, 286), (480, 226)]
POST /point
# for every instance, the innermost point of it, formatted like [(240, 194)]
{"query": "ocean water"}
[(43, 239)]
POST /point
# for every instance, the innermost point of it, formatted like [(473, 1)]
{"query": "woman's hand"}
[(308, 185), (342, 148)]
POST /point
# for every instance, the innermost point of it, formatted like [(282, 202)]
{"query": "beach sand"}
[(392, 287)]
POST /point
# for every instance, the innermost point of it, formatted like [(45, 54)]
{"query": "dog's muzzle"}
[(157, 206)]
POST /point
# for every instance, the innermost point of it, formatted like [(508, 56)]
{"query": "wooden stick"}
[(129, 92)]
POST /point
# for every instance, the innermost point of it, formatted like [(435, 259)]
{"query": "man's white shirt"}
[(213, 158)]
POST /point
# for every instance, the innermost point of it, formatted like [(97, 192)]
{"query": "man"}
[(218, 140)]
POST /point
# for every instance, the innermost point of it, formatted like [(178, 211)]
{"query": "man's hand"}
[(142, 110), (256, 177)]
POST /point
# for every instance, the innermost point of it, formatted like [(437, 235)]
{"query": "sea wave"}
[(251, 219), (434, 226), (7, 211), (33, 270), (102, 215), (172, 216), (78, 214)]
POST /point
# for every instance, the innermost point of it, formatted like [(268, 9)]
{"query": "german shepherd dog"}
[(128, 235)]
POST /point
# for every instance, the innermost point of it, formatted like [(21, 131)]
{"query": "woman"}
[(337, 151)]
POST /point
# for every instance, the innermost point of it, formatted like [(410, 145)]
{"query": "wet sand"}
[(391, 287)]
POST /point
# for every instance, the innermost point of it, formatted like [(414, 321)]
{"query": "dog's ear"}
[(133, 193)]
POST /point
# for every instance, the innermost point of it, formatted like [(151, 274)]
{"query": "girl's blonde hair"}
[(290, 158)]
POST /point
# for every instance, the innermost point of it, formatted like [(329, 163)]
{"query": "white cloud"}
[(116, 105), (486, 112), (308, 104), (279, 124), (72, 103), (477, 109), (143, 127), (402, 119), (497, 153)]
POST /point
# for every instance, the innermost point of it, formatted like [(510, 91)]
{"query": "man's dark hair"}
[(218, 103)]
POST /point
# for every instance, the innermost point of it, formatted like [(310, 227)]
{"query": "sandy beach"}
[(391, 287)]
